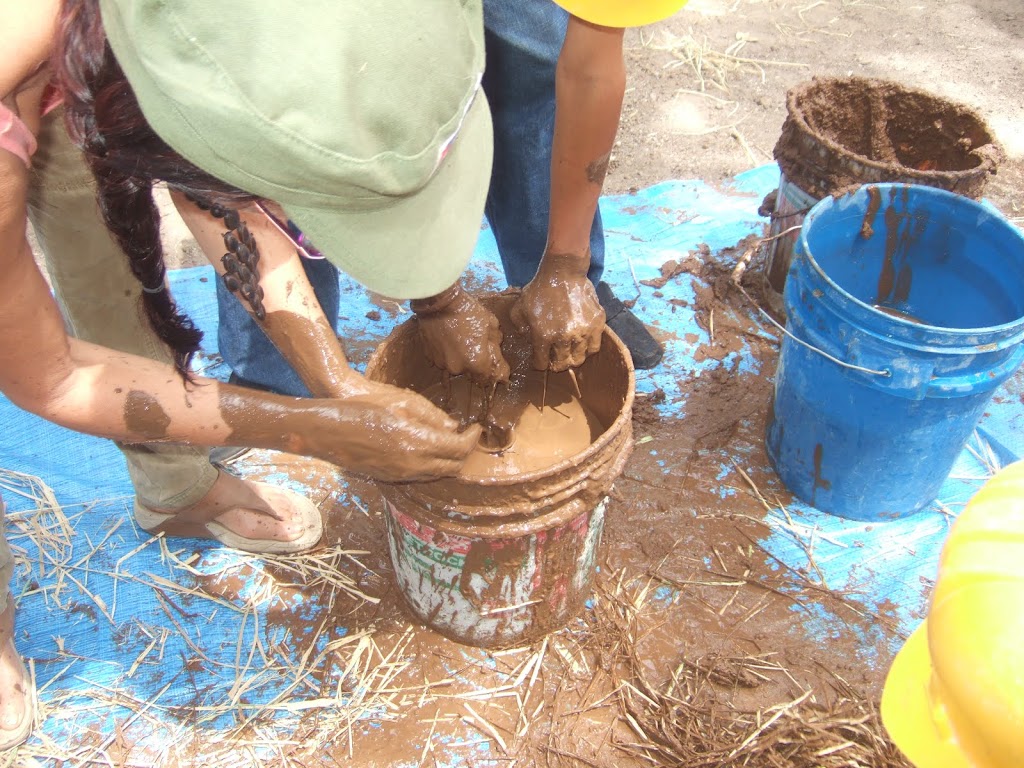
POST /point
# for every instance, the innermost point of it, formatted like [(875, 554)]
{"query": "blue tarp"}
[(99, 609)]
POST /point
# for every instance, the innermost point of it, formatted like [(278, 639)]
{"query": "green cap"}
[(364, 120)]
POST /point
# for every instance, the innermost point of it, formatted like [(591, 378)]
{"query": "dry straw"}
[(710, 67), (690, 720), (329, 691)]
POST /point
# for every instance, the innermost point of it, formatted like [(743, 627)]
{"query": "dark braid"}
[(241, 262), (127, 158)]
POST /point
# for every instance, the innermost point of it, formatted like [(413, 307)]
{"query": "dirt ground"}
[(707, 88)]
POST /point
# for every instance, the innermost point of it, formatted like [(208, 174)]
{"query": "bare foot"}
[(15, 702), (255, 517), (246, 513)]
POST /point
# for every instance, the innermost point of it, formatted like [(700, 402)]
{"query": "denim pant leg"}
[(99, 298), (524, 39), (249, 352)]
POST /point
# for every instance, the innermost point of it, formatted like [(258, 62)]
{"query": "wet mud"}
[(841, 132), (505, 552), (312, 346), (605, 383), (645, 407), (144, 415), (536, 423), (683, 583)]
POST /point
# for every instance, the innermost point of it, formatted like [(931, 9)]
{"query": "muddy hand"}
[(461, 336), (391, 434), (560, 312)]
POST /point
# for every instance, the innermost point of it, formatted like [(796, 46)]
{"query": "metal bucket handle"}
[(935, 389), (885, 373), (738, 274)]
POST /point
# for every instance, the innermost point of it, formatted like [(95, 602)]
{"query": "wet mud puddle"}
[(534, 424)]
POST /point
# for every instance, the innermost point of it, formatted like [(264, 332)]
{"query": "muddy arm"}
[(73, 383), (390, 434), (293, 320), (560, 307)]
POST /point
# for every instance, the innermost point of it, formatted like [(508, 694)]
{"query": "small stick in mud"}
[(485, 405), (575, 383)]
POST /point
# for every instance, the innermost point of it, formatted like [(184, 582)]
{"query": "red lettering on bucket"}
[(431, 536)]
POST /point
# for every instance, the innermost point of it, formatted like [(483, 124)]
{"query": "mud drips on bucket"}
[(896, 344), (505, 553), (844, 132)]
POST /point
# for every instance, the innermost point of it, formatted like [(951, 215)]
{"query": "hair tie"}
[(159, 287)]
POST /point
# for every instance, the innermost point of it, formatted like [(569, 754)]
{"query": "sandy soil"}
[(707, 88)]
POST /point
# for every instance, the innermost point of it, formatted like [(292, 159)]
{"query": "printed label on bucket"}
[(427, 546), (488, 591)]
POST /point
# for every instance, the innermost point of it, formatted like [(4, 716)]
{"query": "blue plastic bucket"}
[(908, 304)]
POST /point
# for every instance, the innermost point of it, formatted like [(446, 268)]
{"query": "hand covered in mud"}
[(390, 434), (560, 312), (461, 336)]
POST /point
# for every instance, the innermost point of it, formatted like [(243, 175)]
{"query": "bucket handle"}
[(737, 274), (885, 373)]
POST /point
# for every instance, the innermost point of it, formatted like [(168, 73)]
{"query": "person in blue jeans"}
[(524, 39)]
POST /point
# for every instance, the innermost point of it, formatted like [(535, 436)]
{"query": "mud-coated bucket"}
[(842, 132), (906, 309), (502, 561)]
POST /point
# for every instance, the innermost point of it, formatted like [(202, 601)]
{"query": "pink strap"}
[(15, 137)]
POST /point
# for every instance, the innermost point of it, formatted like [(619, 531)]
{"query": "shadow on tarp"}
[(105, 611)]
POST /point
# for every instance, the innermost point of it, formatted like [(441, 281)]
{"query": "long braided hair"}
[(127, 158)]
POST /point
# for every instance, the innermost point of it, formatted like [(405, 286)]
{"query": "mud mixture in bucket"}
[(505, 552), (532, 423)]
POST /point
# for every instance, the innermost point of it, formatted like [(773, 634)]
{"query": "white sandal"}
[(221, 498)]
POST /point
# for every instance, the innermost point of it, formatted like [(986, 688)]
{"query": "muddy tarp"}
[(105, 611)]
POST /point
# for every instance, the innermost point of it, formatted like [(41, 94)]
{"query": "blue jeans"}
[(524, 38)]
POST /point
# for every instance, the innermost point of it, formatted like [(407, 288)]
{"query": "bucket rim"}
[(611, 431), (988, 161), (829, 202)]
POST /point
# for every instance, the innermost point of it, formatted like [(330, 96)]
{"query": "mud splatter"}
[(598, 169), (144, 415), (867, 227)]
